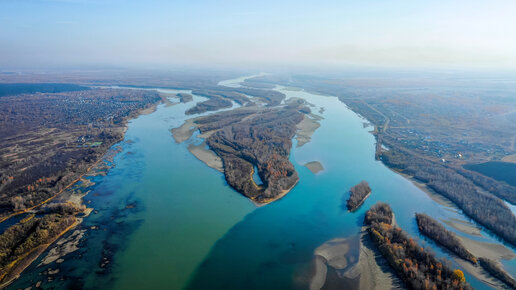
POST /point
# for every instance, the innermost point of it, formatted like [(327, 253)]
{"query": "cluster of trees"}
[(379, 213), (239, 95), (495, 270), (486, 209), (214, 93), (245, 138), (437, 232), (500, 189), (212, 104), (26, 236), (418, 268), (358, 195), (185, 98), (66, 208)]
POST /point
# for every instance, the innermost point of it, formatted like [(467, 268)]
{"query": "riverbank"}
[(15, 268)]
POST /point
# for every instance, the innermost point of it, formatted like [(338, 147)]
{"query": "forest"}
[(357, 195), (212, 104), (483, 207), (239, 98), (416, 267), (248, 137), (24, 241), (437, 232)]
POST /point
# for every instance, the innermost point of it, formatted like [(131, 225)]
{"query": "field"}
[(502, 171)]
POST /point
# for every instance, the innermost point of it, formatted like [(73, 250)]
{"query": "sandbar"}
[(306, 129), (207, 156), (185, 131), (314, 166)]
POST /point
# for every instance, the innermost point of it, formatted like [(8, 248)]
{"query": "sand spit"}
[(207, 156), (315, 166), (351, 263), (185, 131), (463, 226), (306, 129), (487, 250)]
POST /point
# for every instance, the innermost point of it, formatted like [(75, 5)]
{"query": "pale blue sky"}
[(470, 33)]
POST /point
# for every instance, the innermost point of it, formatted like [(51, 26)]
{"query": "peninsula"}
[(254, 138)]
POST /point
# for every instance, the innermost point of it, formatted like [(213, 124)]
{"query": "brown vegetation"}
[(418, 268), (485, 208), (49, 140), (23, 242), (358, 195), (212, 104), (437, 232), (219, 93), (249, 137), (495, 270)]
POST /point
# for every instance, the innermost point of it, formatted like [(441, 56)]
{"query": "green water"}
[(187, 208), (166, 220)]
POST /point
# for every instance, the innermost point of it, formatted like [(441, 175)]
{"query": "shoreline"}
[(206, 156), (355, 262), (493, 251), (18, 266), (465, 226), (144, 111), (361, 202), (272, 199)]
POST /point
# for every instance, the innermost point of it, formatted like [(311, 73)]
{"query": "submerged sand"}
[(314, 166), (487, 250), (351, 263)]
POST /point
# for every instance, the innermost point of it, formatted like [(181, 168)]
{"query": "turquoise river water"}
[(163, 219)]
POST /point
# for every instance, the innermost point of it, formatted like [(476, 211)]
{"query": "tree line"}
[(417, 268), (486, 209)]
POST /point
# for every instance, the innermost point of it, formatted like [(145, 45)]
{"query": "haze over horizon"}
[(46, 33)]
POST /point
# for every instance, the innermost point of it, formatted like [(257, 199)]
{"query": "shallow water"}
[(166, 220)]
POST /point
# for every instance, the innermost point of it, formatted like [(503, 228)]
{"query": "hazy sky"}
[(224, 32)]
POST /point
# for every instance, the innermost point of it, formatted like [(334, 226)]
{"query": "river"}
[(163, 219)]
